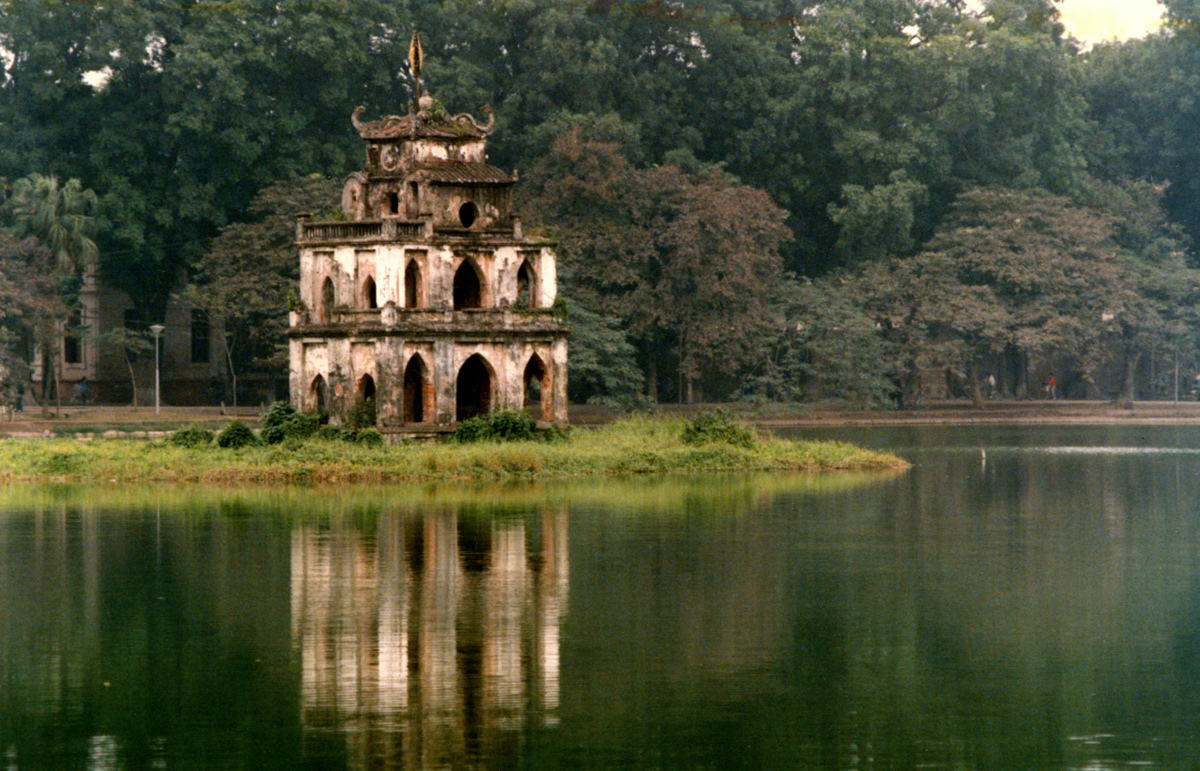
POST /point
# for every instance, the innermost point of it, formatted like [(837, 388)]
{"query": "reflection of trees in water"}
[(431, 642)]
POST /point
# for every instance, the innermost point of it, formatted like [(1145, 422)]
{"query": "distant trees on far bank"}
[(788, 200)]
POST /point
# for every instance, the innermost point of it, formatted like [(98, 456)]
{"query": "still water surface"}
[(1019, 599)]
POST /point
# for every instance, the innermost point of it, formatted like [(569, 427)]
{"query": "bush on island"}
[(281, 421), (192, 436), (362, 414), (236, 434), (716, 427), (500, 426), (369, 437)]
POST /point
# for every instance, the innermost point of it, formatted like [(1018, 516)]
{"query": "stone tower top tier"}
[(429, 165)]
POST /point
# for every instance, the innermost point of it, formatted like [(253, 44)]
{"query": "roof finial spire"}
[(415, 59)]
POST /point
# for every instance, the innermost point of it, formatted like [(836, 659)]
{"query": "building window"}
[(467, 213), (201, 337), (72, 347)]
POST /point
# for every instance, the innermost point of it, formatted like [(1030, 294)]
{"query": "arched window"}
[(412, 285), (468, 291), (368, 294), (526, 297), (328, 298), (415, 390), (473, 389), (317, 394), (537, 388)]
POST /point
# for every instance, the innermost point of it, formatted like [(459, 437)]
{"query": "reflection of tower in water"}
[(429, 643)]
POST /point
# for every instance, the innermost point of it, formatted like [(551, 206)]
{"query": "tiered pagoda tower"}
[(427, 298)]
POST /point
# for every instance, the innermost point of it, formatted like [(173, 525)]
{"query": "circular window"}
[(467, 214)]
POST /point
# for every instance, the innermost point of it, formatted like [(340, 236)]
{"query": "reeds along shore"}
[(633, 446)]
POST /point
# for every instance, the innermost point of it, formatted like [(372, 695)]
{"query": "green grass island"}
[(635, 445)]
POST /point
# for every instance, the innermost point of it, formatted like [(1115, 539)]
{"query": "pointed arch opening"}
[(413, 296), (468, 288), (369, 299), (473, 389), (536, 388), (318, 394), (416, 391), (366, 388), (328, 298), (526, 296)]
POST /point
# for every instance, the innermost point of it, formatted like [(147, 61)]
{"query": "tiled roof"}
[(463, 173)]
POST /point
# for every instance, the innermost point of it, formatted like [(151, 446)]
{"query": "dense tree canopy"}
[(718, 145)]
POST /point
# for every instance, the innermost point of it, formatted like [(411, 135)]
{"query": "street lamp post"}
[(156, 330)]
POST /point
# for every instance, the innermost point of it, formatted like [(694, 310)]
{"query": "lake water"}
[(1019, 599)]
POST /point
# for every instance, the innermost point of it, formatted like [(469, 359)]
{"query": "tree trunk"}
[(652, 378), (232, 371), (976, 390), (1125, 400), (132, 378)]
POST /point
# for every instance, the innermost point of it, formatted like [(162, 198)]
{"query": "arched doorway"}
[(473, 389), (363, 415), (468, 292), (526, 297), (368, 294), (414, 390), (536, 388), (412, 285), (366, 388), (318, 395), (328, 298)]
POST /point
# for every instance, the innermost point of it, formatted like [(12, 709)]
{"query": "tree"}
[(603, 362), (244, 280), (1013, 275), (683, 258), (59, 218)]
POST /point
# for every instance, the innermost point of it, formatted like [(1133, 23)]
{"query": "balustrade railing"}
[(308, 231)]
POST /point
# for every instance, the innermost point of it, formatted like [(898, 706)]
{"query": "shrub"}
[(556, 434), (501, 426), (513, 425), (329, 433), (281, 421), (278, 414), (236, 434), (717, 427), (476, 429), (362, 414), (192, 436), (369, 437), (303, 424), (274, 434)]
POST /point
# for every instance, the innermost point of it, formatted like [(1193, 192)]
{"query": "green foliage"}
[(499, 426), (281, 422), (717, 427), (683, 261), (361, 415), (695, 141), (832, 348), (192, 436), (369, 437), (236, 434)]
